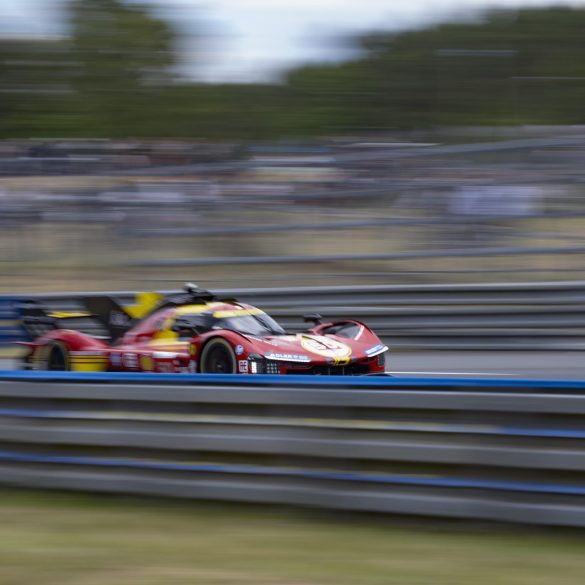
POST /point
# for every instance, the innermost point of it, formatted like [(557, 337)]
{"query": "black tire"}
[(217, 357), (57, 357)]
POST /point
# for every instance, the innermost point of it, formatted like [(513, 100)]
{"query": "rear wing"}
[(38, 320), (115, 318), (118, 319)]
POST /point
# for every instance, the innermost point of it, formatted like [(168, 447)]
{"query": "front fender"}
[(242, 346)]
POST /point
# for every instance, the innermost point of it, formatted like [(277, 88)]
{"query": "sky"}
[(255, 40)]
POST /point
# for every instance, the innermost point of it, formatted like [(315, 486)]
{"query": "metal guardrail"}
[(495, 316), (509, 451), (344, 226), (394, 257)]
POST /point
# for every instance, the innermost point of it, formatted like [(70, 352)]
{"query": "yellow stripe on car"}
[(87, 361), (169, 345), (237, 313), (78, 365), (69, 314), (196, 309)]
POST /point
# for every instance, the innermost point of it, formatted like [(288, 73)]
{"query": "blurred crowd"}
[(81, 204), (99, 180)]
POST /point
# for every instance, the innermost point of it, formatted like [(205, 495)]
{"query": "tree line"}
[(115, 76)]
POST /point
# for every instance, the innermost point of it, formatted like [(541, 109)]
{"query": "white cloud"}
[(250, 39)]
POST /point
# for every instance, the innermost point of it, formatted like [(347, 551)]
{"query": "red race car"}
[(195, 332)]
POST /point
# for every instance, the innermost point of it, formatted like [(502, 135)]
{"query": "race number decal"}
[(325, 346)]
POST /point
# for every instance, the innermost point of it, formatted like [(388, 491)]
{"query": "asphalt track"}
[(549, 365), (553, 365)]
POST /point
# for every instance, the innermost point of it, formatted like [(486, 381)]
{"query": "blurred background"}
[(249, 144), (290, 143)]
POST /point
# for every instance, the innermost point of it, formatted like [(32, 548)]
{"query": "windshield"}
[(259, 324)]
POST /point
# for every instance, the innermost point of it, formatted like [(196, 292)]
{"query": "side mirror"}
[(314, 318)]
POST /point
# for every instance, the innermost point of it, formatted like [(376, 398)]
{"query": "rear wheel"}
[(57, 357), (218, 357)]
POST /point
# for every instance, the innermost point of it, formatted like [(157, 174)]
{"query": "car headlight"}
[(259, 365), (272, 367)]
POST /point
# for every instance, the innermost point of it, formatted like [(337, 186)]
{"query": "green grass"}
[(58, 539)]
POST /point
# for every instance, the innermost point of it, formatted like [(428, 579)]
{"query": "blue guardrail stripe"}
[(333, 382), (374, 478)]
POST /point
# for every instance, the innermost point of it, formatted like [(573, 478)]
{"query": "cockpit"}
[(249, 322)]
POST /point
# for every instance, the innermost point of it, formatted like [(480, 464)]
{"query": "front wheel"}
[(218, 357)]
